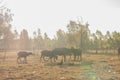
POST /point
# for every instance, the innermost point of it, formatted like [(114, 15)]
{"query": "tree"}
[(78, 34), (5, 27), (24, 40), (95, 42), (16, 35), (108, 41), (100, 38), (39, 39), (71, 35), (47, 41), (16, 40), (84, 35), (61, 38), (116, 39), (6, 35), (72, 27)]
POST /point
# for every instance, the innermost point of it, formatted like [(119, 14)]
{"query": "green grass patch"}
[(88, 63)]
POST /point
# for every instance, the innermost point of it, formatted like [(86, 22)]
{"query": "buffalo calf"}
[(23, 54)]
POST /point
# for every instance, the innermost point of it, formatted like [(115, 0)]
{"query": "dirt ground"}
[(93, 67)]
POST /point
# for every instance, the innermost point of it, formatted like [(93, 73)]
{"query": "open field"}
[(93, 67)]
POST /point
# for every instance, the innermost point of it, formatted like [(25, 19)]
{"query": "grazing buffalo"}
[(77, 53), (62, 52), (119, 53), (23, 54), (47, 53)]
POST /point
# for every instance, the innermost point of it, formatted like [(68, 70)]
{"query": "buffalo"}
[(23, 54), (62, 52), (119, 53), (77, 53), (49, 54)]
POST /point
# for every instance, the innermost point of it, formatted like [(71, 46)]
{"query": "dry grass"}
[(93, 67)]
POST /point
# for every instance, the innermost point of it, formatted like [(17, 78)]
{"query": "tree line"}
[(77, 36)]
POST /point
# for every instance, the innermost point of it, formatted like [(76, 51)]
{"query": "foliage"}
[(78, 36), (6, 35)]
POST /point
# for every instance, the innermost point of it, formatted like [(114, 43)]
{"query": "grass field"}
[(93, 67)]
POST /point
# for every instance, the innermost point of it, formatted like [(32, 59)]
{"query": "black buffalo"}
[(49, 54), (62, 52), (119, 53), (77, 53), (23, 54)]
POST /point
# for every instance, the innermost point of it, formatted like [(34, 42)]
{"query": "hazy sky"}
[(51, 15)]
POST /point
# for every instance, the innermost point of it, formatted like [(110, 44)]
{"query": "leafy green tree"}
[(78, 35), (108, 41), (116, 39), (100, 39), (72, 27), (71, 34), (84, 36), (94, 42)]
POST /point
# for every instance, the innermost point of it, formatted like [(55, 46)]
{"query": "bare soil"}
[(93, 67)]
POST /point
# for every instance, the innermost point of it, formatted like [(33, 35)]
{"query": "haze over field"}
[(51, 15), (72, 39)]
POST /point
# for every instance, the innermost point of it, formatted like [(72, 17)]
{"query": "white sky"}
[(51, 15)]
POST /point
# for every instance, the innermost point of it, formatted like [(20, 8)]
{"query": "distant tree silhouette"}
[(24, 40), (6, 35)]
